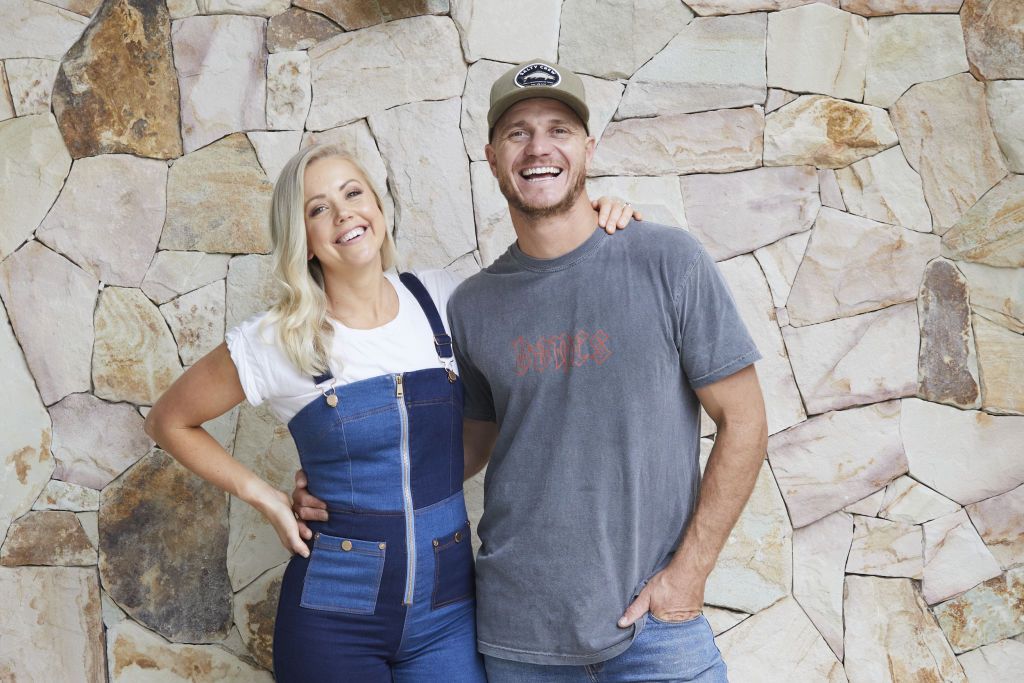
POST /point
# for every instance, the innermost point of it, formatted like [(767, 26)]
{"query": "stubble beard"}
[(577, 186)]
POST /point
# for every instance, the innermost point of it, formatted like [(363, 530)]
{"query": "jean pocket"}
[(343, 575), (694, 620), (453, 568)]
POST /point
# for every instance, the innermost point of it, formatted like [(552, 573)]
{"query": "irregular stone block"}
[(991, 231), (179, 9), (885, 188), (765, 205), (218, 200), (816, 48), (835, 459), (884, 548), (779, 262), (1005, 101), (433, 210), (32, 28), (255, 612), (62, 495), (52, 537), (494, 230), (780, 639), (911, 502), (831, 194), (707, 142), (721, 620), (488, 33), (134, 358), (993, 30), (289, 91), (6, 104), (299, 29), (778, 98), (825, 132), (972, 456), (955, 558), (945, 133), (221, 77), (59, 634), (819, 559), (163, 535), (196, 320), (855, 265), (356, 14), (31, 84), (659, 198), (109, 216), (890, 636), (33, 165), (712, 63), (357, 141), (45, 293), (910, 49), (705, 7), (275, 148), (251, 288), (1000, 521), (997, 294), (173, 273), (874, 8), (1001, 366), (868, 505), (367, 71), (259, 8), (985, 614), (948, 361), (116, 91), (992, 663)]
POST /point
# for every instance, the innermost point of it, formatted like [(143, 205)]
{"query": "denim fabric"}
[(663, 651)]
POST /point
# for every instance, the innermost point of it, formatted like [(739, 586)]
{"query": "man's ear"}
[(591, 143), (492, 159)]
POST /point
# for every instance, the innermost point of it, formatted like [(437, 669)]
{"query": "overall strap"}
[(442, 341)]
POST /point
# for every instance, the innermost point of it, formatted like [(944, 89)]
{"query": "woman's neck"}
[(361, 300)]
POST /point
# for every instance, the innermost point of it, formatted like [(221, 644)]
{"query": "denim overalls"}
[(387, 592)]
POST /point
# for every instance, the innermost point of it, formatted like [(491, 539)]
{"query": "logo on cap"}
[(537, 74)]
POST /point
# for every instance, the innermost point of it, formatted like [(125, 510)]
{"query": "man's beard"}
[(577, 184)]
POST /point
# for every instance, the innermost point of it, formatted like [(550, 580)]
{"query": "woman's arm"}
[(208, 389)]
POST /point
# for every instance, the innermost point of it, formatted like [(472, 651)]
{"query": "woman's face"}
[(344, 226)]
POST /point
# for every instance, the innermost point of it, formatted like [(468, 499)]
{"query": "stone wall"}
[(856, 167)]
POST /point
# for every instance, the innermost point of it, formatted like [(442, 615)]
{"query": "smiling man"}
[(598, 533)]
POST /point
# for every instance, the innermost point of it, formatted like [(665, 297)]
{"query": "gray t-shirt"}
[(588, 362)]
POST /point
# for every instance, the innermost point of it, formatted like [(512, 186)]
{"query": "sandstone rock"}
[(909, 49), (835, 459), (884, 548), (357, 140), (59, 632), (109, 216), (946, 136), (33, 166), (251, 288), (997, 294), (765, 205), (721, 620), (1001, 366), (780, 639), (51, 537), (275, 148), (489, 32), (819, 557), (868, 505), (993, 30), (985, 614), (585, 30), (855, 265), (1000, 522), (173, 273), (712, 63), (955, 558), (704, 7), (948, 360), (50, 302), (367, 71), (818, 49), (135, 653), (90, 521), (911, 502), (6, 104), (779, 262), (221, 77), (992, 663), (32, 28), (356, 14), (116, 91), (890, 636), (255, 612), (289, 91), (828, 186), (298, 29), (494, 231), (825, 132), (62, 495), (659, 198), (31, 84), (163, 534), (433, 208), (964, 455), (179, 9), (196, 320), (134, 358), (259, 8), (885, 188), (1005, 101), (753, 298), (778, 98), (873, 8), (218, 200), (707, 142), (991, 231)]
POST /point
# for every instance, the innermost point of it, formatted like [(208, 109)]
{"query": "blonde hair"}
[(304, 333)]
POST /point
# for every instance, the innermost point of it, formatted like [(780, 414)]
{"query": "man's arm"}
[(478, 439), (735, 404)]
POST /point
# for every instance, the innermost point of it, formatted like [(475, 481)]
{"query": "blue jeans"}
[(663, 651)]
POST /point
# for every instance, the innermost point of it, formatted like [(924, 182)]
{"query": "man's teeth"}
[(542, 170), (352, 234)]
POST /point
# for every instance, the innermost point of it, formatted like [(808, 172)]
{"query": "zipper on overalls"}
[(410, 524)]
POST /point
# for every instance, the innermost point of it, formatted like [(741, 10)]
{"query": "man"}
[(595, 549)]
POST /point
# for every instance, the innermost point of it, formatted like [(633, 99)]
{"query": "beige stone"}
[(778, 98), (218, 200), (289, 90), (259, 8), (489, 32), (1005, 101), (362, 72), (196, 320), (721, 620), (1000, 522), (991, 231), (992, 663), (6, 104), (885, 188), (945, 133), (179, 9), (255, 611), (494, 231), (250, 288), (657, 197), (274, 149), (872, 8), (32, 28), (828, 187), (820, 550), (884, 548), (985, 614), (706, 142), (298, 29), (993, 30), (173, 273), (825, 132), (47, 537), (62, 495), (134, 358), (869, 505), (704, 7), (819, 49), (1001, 366), (955, 558), (780, 261), (356, 14), (911, 502), (31, 84)]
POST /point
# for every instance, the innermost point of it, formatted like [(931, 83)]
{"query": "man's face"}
[(539, 153)]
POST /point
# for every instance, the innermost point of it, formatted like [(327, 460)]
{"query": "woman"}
[(358, 363)]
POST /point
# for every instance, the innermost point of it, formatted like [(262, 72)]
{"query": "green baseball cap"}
[(537, 78)]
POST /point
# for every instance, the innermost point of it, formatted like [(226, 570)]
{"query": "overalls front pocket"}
[(343, 575), (453, 568)]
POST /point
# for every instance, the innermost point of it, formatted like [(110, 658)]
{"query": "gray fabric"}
[(595, 472)]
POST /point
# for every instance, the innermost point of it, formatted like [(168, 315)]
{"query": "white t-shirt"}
[(401, 345)]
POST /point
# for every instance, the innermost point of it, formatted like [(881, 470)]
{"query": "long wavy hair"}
[(304, 333)]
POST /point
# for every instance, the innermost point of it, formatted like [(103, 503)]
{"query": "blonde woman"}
[(358, 363)]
